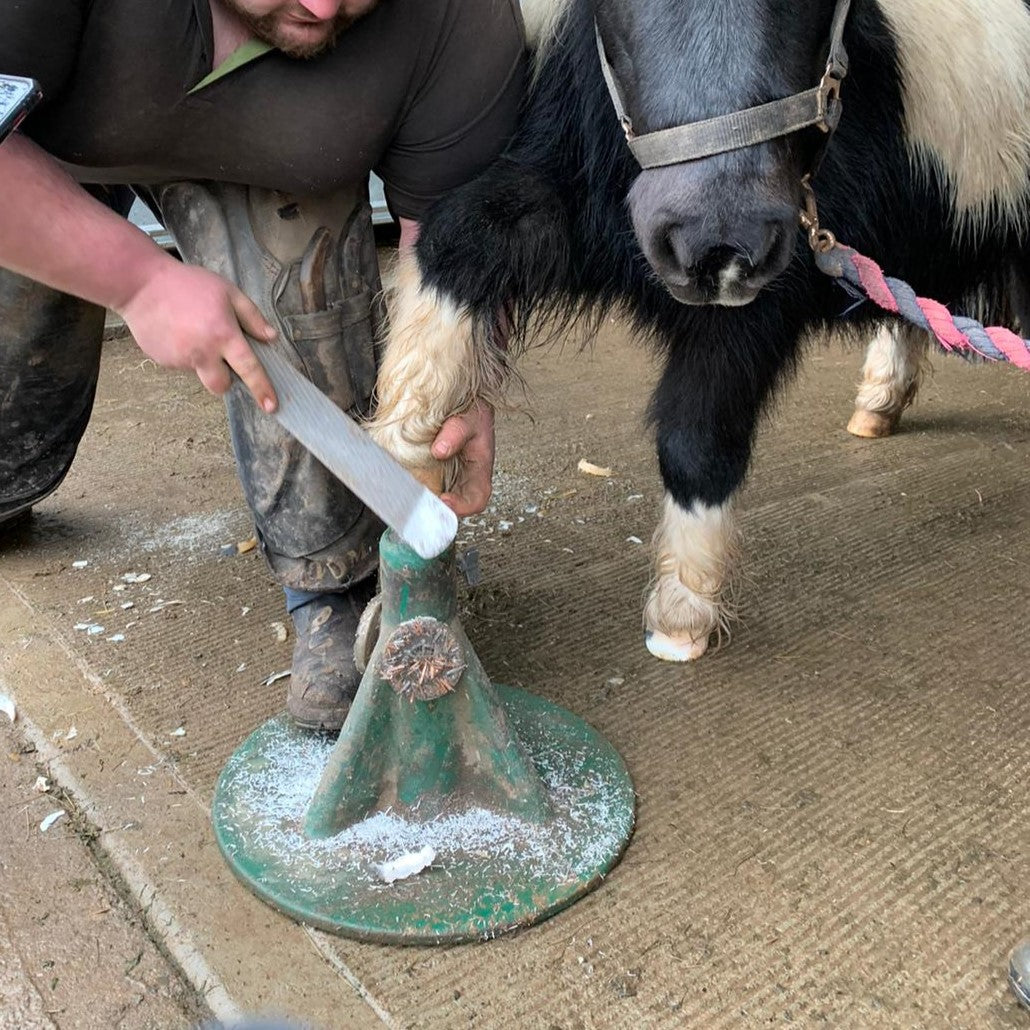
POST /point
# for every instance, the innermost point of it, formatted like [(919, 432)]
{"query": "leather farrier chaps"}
[(310, 265)]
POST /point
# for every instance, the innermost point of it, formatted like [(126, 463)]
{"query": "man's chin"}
[(304, 41)]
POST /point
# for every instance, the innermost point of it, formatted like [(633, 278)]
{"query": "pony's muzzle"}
[(706, 240)]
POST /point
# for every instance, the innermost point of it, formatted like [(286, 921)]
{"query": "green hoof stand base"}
[(450, 809)]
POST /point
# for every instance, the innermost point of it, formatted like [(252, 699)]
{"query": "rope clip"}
[(822, 241)]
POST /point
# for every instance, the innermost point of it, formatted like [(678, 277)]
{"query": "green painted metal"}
[(523, 805)]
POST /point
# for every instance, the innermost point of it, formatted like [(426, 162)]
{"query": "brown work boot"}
[(324, 678)]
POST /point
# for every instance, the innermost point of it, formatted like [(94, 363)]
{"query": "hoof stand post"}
[(518, 806)]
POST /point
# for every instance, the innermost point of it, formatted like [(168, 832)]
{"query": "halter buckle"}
[(829, 110)]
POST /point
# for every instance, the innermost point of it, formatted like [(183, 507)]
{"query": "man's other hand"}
[(470, 437)]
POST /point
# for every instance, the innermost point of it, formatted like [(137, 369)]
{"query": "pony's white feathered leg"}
[(433, 367), (890, 379), (694, 552)]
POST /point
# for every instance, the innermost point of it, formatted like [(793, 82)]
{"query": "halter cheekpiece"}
[(819, 107)]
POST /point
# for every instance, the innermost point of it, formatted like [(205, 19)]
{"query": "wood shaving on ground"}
[(246, 546), (51, 819), (276, 676), (590, 469)]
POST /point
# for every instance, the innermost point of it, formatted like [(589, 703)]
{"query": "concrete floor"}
[(74, 953), (833, 815)]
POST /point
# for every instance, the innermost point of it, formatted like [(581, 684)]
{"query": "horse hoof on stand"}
[(872, 425), (674, 649)]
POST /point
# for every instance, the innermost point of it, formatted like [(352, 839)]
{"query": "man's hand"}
[(471, 438), (190, 318)]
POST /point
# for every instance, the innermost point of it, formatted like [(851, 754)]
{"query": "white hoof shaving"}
[(406, 865), (670, 650)]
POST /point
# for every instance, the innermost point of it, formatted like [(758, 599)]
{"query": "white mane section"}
[(966, 78), (541, 18)]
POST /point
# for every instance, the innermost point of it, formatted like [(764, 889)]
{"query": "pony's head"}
[(717, 229)]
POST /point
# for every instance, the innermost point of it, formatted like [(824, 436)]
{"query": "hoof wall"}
[(367, 635), (670, 649), (871, 425)]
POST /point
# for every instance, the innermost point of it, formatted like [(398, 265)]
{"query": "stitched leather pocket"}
[(340, 342)]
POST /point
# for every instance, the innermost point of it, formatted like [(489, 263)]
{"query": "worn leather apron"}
[(314, 532)]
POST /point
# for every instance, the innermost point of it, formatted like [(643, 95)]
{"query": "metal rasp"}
[(411, 510)]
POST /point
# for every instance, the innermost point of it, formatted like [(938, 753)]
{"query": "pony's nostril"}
[(776, 234), (679, 255), (665, 248)]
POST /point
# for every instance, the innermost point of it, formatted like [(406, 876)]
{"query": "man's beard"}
[(275, 29)]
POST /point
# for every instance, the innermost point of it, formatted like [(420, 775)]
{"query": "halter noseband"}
[(820, 107)]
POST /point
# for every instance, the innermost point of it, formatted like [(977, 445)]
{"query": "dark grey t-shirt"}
[(424, 92)]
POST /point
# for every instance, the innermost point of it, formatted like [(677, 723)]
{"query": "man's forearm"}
[(53, 231)]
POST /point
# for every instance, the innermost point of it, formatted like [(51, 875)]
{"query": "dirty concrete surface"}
[(833, 819), (73, 952)]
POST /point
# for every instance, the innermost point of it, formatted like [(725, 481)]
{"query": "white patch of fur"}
[(966, 71), (541, 18), (893, 364), (432, 368), (694, 553)]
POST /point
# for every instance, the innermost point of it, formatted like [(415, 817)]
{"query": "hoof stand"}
[(516, 806)]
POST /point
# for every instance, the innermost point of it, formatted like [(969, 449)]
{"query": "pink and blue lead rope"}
[(955, 333)]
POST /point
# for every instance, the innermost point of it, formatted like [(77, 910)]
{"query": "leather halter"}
[(820, 107)]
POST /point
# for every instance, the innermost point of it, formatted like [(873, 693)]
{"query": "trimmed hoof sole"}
[(669, 649), (871, 425)]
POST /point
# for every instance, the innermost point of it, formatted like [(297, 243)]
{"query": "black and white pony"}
[(927, 174)]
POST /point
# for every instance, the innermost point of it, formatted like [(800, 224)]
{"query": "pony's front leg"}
[(694, 552), (437, 362), (890, 378), (705, 410)]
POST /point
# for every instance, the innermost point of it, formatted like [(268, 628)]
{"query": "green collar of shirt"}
[(243, 54)]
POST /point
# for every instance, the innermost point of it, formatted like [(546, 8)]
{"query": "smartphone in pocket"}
[(17, 97)]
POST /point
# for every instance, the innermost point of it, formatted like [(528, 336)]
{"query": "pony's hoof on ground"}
[(674, 649), (871, 425)]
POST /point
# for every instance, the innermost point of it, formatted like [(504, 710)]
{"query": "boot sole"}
[(318, 723)]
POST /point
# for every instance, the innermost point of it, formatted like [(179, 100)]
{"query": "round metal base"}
[(491, 872)]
